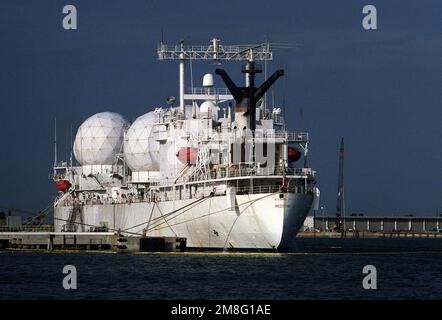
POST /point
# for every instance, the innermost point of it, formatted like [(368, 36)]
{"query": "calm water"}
[(332, 269)]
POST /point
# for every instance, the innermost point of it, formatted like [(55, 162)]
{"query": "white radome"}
[(208, 80), (209, 110), (207, 106), (99, 139), (141, 150)]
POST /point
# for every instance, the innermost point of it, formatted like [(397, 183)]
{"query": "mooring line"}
[(168, 214), (171, 218), (219, 211)]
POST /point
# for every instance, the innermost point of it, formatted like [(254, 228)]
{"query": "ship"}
[(216, 167)]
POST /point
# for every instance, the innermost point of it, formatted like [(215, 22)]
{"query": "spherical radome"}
[(99, 139), (141, 150)]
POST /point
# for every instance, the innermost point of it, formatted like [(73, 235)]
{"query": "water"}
[(331, 269)]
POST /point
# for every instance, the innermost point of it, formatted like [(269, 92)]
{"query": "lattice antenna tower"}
[(214, 52)]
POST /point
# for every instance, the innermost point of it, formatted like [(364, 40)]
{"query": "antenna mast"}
[(340, 205), (55, 142), (213, 52), (182, 78), (71, 147)]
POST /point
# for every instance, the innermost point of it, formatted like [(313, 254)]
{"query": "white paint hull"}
[(258, 221)]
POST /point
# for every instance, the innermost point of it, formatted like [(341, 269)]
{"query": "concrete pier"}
[(409, 224), (65, 240), (101, 241)]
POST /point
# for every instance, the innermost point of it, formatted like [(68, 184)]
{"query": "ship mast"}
[(55, 143), (340, 203), (182, 77), (214, 52)]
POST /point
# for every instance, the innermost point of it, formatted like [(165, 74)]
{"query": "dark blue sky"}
[(380, 90)]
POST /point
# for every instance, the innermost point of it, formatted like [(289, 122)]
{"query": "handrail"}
[(209, 189), (289, 136), (27, 228), (250, 171)]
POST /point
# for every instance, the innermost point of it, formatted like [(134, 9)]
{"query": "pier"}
[(88, 241), (374, 226), (63, 240)]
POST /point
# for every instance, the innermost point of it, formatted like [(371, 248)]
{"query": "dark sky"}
[(380, 90)]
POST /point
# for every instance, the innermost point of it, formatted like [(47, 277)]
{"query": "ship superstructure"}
[(219, 169)]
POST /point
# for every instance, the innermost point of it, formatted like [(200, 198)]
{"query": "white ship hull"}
[(255, 221)]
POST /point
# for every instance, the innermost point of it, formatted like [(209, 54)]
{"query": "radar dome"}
[(208, 80), (141, 150), (99, 139), (207, 106)]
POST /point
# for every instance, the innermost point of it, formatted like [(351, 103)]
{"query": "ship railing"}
[(156, 195), (210, 91), (171, 195), (297, 137), (244, 170), (275, 171), (247, 171), (291, 137), (27, 228), (275, 114), (270, 189), (278, 120)]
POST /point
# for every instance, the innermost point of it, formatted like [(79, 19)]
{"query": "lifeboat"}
[(293, 154), (187, 155), (63, 185)]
